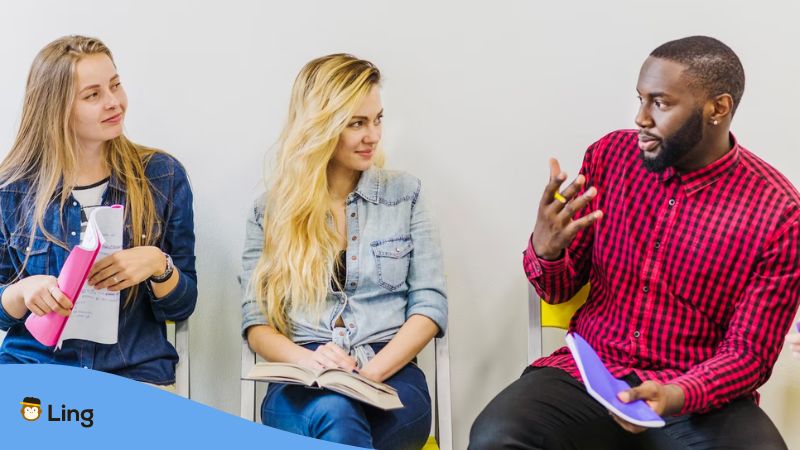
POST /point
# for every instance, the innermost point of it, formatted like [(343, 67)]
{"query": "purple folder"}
[(603, 387)]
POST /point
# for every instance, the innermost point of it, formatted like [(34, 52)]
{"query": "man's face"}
[(670, 118)]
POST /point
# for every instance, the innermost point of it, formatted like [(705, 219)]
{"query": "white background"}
[(477, 97)]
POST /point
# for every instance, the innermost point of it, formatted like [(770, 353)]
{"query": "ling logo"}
[(31, 408)]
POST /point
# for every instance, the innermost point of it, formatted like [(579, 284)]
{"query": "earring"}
[(715, 122)]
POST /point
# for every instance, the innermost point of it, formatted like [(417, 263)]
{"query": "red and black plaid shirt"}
[(694, 276)]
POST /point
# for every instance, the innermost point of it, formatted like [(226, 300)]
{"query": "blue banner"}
[(59, 407)]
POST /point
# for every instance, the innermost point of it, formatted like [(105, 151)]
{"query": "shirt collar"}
[(703, 177), (115, 183), (369, 184)]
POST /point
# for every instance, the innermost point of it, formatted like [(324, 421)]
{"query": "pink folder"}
[(47, 329)]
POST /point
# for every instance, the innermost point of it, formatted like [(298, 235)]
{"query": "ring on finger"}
[(559, 197), (116, 280)]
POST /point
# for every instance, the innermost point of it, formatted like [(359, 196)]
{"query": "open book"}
[(47, 329), (352, 385), (603, 387)]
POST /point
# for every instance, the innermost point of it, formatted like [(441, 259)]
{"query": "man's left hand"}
[(664, 399)]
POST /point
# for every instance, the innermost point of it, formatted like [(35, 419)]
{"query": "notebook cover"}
[(47, 329), (603, 387)]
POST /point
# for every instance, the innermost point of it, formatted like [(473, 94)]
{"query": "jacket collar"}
[(369, 184)]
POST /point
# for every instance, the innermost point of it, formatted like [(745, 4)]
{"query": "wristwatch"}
[(167, 273)]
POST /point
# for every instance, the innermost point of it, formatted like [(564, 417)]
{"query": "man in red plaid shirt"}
[(691, 246)]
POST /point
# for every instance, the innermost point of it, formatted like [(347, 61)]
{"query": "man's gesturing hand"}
[(555, 229)]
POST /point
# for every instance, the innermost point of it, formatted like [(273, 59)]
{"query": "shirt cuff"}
[(694, 394), (537, 266), (169, 301), (6, 320), (251, 315), (435, 314)]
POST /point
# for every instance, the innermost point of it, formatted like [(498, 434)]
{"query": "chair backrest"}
[(442, 428), (178, 334), (542, 314)]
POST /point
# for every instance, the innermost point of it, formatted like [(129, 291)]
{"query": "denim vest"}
[(394, 268), (142, 351)]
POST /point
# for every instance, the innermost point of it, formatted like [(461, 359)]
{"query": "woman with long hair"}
[(70, 156), (342, 264)]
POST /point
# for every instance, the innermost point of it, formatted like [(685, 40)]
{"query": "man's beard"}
[(675, 147)]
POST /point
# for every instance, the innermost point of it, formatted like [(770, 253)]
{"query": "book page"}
[(281, 372), (349, 384), (95, 316), (331, 376), (357, 387)]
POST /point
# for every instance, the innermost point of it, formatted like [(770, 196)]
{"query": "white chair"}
[(442, 429), (178, 334)]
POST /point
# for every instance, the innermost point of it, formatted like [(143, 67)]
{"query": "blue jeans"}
[(326, 415)]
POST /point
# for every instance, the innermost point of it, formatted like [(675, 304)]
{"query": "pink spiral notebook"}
[(603, 387), (47, 329)]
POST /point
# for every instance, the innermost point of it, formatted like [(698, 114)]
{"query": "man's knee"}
[(498, 431), (486, 432)]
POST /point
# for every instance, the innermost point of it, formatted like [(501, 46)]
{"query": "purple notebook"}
[(603, 387)]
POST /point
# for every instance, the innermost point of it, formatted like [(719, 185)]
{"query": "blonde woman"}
[(342, 264), (69, 156)]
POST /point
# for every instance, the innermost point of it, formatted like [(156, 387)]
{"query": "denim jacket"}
[(394, 268), (142, 351)]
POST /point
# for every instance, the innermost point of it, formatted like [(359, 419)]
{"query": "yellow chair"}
[(542, 314), (441, 428)]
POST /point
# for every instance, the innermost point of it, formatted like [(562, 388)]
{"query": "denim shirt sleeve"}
[(179, 244), (6, 275), (253, 246), (426, 284)]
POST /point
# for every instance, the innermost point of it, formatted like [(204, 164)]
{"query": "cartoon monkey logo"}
[(31, 408)]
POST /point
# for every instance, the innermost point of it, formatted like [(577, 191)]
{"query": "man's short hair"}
[(710, 65)]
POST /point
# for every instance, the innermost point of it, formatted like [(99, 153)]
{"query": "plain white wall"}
[(477, 97)]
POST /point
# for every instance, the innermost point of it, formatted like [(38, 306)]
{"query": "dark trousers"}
[(548, 409)]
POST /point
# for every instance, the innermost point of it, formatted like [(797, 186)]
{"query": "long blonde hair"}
[(300, 245), (45, 150)]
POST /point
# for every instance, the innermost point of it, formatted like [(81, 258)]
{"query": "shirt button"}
[(85, 367), (27, 249), (73, 233), (74, 203), (658, 244), (645, 290), (352, 284), (354, 257), (672, 202), (352, 325), (636, 334), (354, 238), (352, 214)]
